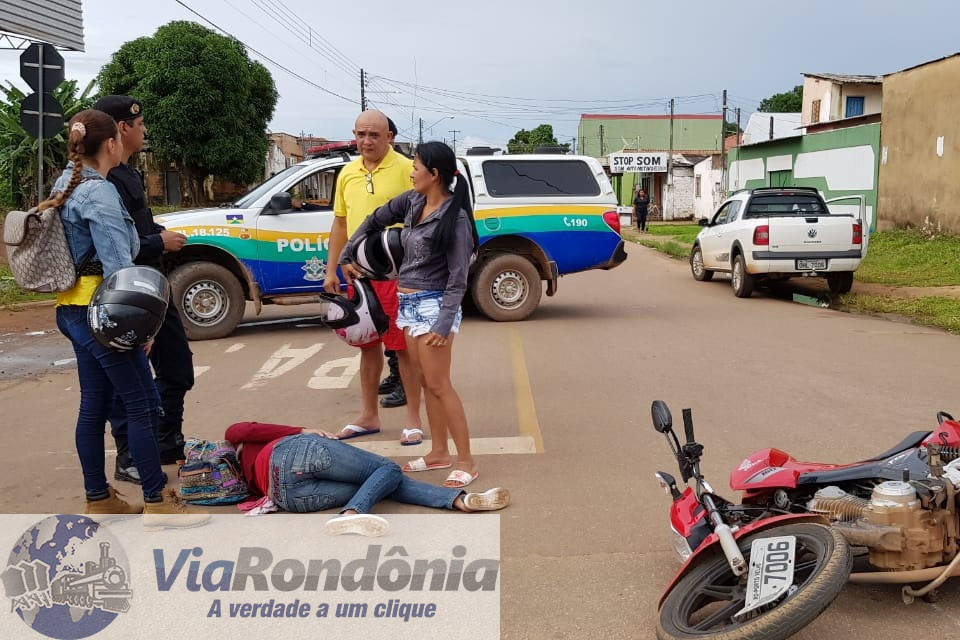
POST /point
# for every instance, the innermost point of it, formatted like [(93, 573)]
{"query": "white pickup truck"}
[(779, 233)]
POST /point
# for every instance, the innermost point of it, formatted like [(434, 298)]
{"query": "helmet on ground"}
[(128, 307), (379, 255), (358, 319)]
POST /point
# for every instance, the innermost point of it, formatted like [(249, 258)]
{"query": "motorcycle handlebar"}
[(688, 425)]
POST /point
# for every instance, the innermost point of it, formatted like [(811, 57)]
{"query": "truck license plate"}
[(771, 571), (811, 265)]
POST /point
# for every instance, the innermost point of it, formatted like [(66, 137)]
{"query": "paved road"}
[(560, 406)]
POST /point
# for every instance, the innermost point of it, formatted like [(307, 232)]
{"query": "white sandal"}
[(405, 439)]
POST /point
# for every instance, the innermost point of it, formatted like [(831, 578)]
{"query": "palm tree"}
[(18, 149)]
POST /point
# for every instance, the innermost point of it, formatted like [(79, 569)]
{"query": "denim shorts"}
[(420, 311)]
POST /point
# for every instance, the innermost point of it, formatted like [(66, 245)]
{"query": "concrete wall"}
[(710, 197), (678, 200), (838, 163), (833, 98), (920, 152)]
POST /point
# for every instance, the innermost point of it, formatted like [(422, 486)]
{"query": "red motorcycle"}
[(765, 567)]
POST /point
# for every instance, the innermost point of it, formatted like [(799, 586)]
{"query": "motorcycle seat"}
[(911, 441)]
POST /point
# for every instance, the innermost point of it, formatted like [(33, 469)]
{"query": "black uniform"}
[(171, 356)]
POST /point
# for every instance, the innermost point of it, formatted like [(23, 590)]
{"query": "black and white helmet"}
[(358, 319), (379, 255), (128, 307)]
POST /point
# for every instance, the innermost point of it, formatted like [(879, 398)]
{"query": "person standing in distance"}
[(170, 355), (370, 181)]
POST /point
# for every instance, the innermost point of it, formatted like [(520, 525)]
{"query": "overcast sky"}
[(497, 66)]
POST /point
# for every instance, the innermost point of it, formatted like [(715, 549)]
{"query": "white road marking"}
[(273, 368), (235, 347), (36, 333), (478, 446), (60, 363), (323, 380), (199, 371)]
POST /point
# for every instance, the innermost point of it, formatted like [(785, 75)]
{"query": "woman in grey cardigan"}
[(439, 241)]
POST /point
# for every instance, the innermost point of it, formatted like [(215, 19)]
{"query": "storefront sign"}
[(638, 162)]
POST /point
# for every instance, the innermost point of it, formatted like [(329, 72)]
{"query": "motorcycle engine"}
[(892, 524)]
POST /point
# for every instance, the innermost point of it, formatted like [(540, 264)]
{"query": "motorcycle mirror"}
[(662, 420)]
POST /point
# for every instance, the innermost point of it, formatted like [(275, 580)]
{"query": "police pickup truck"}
[(779, 233), (539, 217)]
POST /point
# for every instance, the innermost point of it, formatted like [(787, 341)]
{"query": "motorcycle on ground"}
[(764, 568)]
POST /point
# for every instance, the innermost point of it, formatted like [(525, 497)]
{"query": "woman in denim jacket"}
[(101, 233), (439, 241)]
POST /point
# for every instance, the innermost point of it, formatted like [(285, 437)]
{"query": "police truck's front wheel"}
[(507, 288), (210, 299)]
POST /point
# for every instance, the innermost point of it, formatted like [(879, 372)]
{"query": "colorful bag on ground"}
[(211, 474)]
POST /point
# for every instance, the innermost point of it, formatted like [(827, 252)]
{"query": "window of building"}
[(696, 188), (854, 106), (815, 111), (513, 178)]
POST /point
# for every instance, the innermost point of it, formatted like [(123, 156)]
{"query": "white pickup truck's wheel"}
[(210, 299), (741, 281), (840, 282), (700, 274)]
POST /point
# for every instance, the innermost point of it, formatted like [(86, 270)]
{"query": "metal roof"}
[(842, 77), (59, 22)]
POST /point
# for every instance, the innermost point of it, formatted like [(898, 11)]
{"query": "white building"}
[(707, 178), (784, 125)]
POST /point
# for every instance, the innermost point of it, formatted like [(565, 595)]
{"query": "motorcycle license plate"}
[(812, 265), (771, 571)]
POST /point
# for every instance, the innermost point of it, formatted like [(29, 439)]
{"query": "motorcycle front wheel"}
[(703, 603)]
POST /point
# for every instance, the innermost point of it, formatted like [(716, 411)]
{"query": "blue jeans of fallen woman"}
[(104, 372), (311, 473)]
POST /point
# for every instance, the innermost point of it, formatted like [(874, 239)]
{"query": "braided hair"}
[(438, 156), (86, 133)]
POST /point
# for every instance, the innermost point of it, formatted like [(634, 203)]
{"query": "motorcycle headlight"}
[(680, 545)]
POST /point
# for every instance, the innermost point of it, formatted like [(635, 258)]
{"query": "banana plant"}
[(18, 149)]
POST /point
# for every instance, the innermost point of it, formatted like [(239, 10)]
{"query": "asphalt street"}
[(559, 407)]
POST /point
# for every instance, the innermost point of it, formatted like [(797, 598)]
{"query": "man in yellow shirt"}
[(370, 181)]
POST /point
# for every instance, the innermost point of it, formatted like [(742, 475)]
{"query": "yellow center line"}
[(526, 409)]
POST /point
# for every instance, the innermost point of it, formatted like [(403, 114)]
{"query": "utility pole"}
[(363, 91), (573, 145), (455, 132), (723, 142), (602, 149), (420, 139), (771, 127), (670, 165)]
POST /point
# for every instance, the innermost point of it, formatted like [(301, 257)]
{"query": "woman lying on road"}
[(439, 239), (305, 470)]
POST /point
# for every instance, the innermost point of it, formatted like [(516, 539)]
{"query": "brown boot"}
[(171, 513), (113, 504)]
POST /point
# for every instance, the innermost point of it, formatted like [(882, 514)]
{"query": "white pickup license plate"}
[(812, 265), (771, 571)]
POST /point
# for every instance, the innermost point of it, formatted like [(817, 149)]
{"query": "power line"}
[(264, 56)]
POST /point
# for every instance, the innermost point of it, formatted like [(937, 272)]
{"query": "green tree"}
[(788, 102), (527, 141), (18, 149), (206, 104)]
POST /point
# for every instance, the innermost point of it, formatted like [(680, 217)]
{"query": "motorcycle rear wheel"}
[(702, 604)]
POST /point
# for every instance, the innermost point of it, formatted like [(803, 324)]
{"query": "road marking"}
[(199, 371), (36, 333), (235, 347), (526, 408), (60, 363), (478, 446), (273, 368), (323, 380)]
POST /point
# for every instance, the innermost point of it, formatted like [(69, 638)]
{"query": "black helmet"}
[(128, 307), (380, 254), (358, 319)]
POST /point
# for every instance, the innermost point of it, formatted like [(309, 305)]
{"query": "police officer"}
[(171, 356)]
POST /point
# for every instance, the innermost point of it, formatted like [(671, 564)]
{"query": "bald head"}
[(374, 139)]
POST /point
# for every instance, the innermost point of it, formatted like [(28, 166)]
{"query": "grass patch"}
[(11, 294), (908, 258), (681, 232), (670, 247), (932, 311)]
